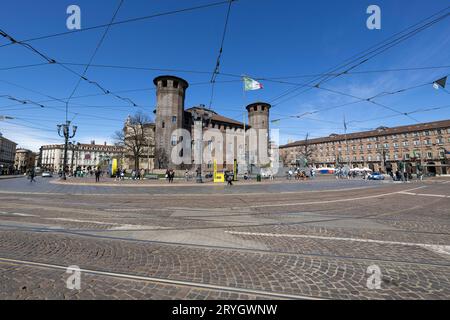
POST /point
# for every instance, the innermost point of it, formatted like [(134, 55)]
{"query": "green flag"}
[(251, 84)]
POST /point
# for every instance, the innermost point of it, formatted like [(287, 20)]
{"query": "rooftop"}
[(215, 116), (380, 131)]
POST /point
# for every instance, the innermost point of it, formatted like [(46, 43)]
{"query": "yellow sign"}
[(113, 167), (218, 177)]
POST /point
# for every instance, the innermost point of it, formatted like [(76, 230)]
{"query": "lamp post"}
[(64, 131), (200, 120), (72, 148)]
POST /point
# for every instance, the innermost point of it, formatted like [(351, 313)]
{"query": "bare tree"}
[(135, 136), (284, 158), (308, 150), (161, 158)]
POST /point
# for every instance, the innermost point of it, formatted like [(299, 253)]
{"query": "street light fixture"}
[(64, 131)]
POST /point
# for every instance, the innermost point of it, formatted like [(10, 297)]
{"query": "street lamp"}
[(64, 131)]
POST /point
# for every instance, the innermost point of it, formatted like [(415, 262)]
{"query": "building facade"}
[(80, 156), (24, 160), (7, 155), (424, 144), (171, 118)]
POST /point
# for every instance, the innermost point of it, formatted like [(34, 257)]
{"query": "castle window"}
[(175, 84), (163, 125), (174, 119), (174, 140), (164, 83)]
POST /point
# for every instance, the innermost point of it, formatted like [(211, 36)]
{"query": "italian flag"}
[(251, 84)]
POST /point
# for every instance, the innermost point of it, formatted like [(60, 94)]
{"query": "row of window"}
[(387, 145), (417, 155), (394, 136)]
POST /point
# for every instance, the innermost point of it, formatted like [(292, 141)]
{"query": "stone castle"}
[(171, 118)]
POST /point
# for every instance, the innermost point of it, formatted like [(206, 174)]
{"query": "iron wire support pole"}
[(64, 131), (201, 120)]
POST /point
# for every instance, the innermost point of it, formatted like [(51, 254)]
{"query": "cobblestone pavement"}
[(293, 240)]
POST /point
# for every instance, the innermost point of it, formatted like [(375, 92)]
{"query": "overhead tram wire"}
[(27, 46), (240, 76), (359, 100), (93, 56), (21, 101), (53, 61), (115, 92), (36, 92), (421, 110), (219, 56), (353, 73), (147, 17), (324, 80), (351, 59), (273, 79), (327, 78), (23, 66), (365, 54)]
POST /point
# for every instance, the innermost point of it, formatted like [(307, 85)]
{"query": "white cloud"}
[(28, 138)]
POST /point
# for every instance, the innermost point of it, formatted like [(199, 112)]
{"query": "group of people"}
[(120, 175), (138, 174), (301, 173), (170, 175)]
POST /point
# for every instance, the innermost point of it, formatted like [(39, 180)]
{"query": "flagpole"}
[(346, 142), (245, 126)]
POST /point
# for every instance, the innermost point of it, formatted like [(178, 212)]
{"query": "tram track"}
[(230, 248)]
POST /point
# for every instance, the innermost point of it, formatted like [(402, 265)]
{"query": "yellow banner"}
[(113, 167), (218, 177)]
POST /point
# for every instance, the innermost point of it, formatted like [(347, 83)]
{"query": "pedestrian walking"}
[(171, 175), (290, 173), (97, 175), (32, 175), (167, 174), (229, 179)]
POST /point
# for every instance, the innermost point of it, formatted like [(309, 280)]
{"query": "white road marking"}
[(332, 201), (166, 281), (119, 226), (442, 248), (425, 194), (182, 194), (82, 221), (433, 195), (127, 210), (434, 247), (17, 214)]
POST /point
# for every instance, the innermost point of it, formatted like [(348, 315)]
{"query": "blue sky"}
[(266, 38)]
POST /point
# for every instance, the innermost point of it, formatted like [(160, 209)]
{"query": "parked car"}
[(46, 174), (375, 176)]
